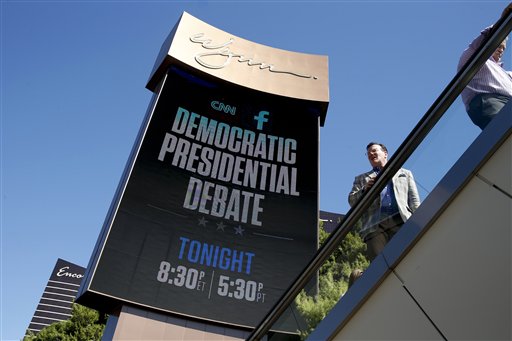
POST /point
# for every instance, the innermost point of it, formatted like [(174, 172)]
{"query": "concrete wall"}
[(137, 324)]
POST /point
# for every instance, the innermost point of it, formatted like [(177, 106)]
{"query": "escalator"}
[(447, 273)]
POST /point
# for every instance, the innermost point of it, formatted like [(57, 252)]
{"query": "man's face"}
[(377, 156), (499, 51)]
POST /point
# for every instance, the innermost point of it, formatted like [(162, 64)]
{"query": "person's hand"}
[(370, 182), (507, 10)]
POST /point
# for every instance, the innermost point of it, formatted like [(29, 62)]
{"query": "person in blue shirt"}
[(396, 203)]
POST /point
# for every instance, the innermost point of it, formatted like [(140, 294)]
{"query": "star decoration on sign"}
[(220, 226), (239, 230), (202, 222)]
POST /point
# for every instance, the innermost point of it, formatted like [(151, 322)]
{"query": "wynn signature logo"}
[(223, 50)]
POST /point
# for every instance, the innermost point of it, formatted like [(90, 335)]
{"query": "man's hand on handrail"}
[(507, 10)]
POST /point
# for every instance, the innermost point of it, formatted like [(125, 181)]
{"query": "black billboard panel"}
[(219, 210)]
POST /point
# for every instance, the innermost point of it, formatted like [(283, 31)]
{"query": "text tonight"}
[(215, 256)]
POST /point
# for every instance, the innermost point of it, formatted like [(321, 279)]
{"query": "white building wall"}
[(455, 283)]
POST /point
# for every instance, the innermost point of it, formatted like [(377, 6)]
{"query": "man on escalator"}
[(396, 203)]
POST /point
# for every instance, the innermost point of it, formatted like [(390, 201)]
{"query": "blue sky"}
[(73, 96)]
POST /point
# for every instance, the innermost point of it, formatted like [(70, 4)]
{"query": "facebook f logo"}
[(261, 118)]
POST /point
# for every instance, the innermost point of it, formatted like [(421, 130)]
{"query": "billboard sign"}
[(218, 211)]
